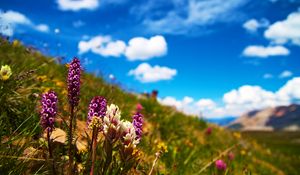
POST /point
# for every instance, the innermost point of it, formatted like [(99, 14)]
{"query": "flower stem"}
[(108, 150), (154, 162), (94, 146), (50, 151), (70, 141)]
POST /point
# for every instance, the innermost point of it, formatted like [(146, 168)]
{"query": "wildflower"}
[(230, 156), (42, 78), (97, 110), (243, 152), (128, 134), (138, 124), (59, 83), (112, 121), (74, 82), (162, 147), (5, 72), (220, 164), (16, 43), (49, 110), (139, 107), (208, 131)]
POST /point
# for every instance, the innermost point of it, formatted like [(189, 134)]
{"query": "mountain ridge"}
[(269, 119)]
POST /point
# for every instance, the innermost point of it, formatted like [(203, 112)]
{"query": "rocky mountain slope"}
[(276, 118)]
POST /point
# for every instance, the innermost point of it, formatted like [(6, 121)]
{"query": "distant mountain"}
[(277, 118), (220, 121)]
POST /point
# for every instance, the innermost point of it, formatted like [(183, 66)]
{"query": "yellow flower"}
[(64, 92), (95, 123), (80, 167), (162, 147), (45, 89), (42, 78), (59, 83), (243, 152), (16, 43), (5, 72)]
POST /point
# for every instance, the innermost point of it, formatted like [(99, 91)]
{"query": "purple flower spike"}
[(221, 165), (49, 110), (97, 108), (138, 124), (74, 82)]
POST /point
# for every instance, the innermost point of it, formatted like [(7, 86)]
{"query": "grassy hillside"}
[(282, 145), (189, 149)]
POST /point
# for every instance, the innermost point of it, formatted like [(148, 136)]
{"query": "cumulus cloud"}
[(186, 105), (206, 103), (290, 92), (102, 45), (11, 19), (185, 17), (171, 101), (249, 97), (238, 101), (252, 25), (285, 31), (140, 48), (145, 73), (42, 28), (264, 52), (285, 74), (77, 4)]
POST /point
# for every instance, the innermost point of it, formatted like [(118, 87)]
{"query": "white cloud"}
[(238, 101), (249, 96), (252, 24), (102, 45), (42, 28), (263, 52), (14, 17), (285, 31), (286, 74), (76, 5), (10, 19), (268, 76), (145, 73), (290, 92), (140, 48), (205, 104), (187, 100), (185, 17), (185, 105), (171, 101)]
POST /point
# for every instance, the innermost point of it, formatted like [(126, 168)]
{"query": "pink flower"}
[(220, 165), (139, 107), (208, 131)]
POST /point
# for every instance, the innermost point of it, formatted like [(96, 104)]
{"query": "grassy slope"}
[(189, 148), (283, 146)]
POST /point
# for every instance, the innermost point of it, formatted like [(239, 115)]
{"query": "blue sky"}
[(218, 58)]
